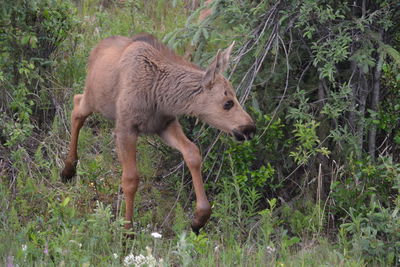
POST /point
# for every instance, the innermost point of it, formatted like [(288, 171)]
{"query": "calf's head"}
[(218, 106)]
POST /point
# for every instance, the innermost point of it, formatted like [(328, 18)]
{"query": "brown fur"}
[(144, 86)]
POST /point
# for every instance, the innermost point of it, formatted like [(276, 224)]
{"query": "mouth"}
[(245, 134), (239, 136)]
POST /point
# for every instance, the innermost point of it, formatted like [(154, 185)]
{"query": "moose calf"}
[(144, 86)]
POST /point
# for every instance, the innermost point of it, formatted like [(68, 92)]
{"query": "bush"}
[(375, 233), (31, 33)]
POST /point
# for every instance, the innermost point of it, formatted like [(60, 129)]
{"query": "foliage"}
[(247, 168), (375, 233), (31, 33), (337, 62)]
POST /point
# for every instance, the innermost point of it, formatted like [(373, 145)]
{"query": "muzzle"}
[(243, 133)]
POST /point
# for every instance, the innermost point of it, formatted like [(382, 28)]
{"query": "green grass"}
[(48, 223)]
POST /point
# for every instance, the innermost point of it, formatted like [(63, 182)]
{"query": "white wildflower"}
[(156, 235), (115, 255), (270, 250), (76, 242), (141, 260), (24, 247), (129, 260)]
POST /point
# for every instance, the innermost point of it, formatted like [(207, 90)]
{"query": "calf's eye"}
[(228, 105)]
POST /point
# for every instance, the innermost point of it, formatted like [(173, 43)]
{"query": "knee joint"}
[(77, 100), (192, 156), (130, 182)]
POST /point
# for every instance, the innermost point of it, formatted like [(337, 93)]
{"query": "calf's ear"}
[(225, 57), (212, 71), (218, 65)]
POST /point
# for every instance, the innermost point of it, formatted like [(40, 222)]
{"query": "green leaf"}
[(205, 33), (25, 39), (65, 202), (365, 68), (196, 37), (283, 18), (385, 48), (390, 51), (33, 41)]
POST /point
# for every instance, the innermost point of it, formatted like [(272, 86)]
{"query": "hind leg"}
[(78, 117)]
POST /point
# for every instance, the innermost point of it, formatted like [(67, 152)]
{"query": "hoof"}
[(200, 218), (129, 236), (195, 229), (68, 172), (127, 239)]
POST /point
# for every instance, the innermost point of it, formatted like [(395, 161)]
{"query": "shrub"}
[(31, 33)]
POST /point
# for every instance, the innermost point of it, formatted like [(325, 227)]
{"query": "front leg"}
[(126, 146), (175, 137)]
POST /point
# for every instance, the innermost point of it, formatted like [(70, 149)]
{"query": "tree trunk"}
[(374, 105), (363, 94), (322, 164), (354, 88)]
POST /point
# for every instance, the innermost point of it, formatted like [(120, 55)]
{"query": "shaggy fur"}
[(143, 86)]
